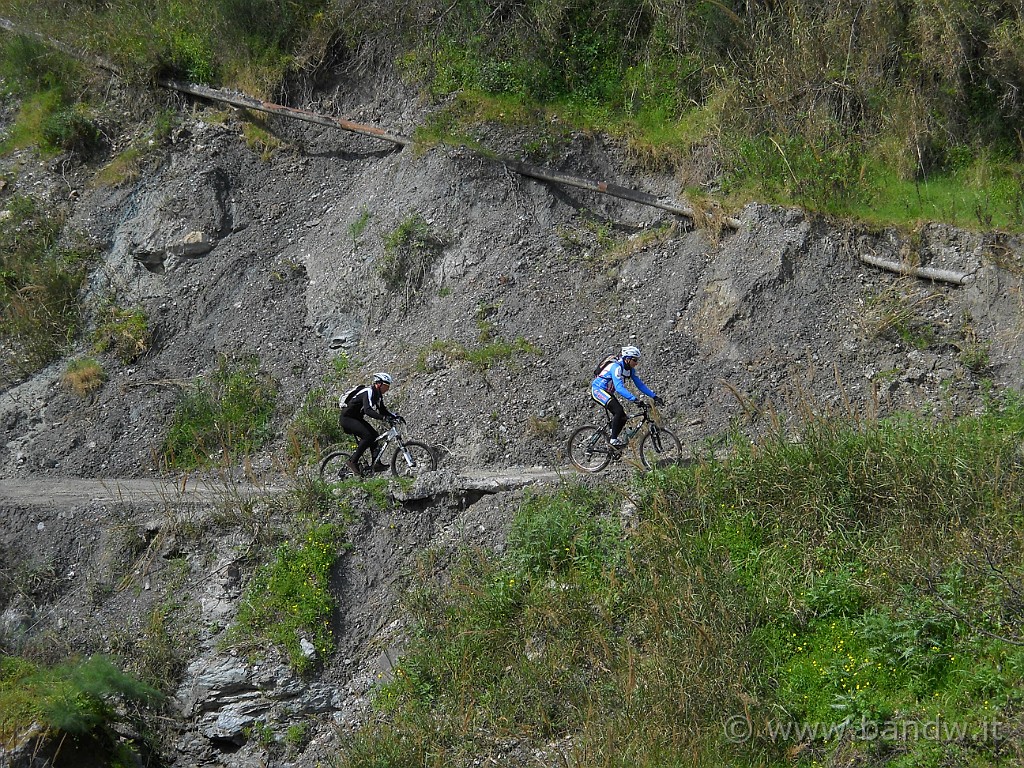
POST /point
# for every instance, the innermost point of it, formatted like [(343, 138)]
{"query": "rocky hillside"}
[(490, 329), (284, 257)]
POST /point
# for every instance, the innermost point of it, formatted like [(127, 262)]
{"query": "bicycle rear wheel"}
[(660, 448), (334, 466), (589, 450), (413, 459)]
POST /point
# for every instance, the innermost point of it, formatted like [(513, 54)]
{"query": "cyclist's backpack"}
[(351, 395), (608, 359)]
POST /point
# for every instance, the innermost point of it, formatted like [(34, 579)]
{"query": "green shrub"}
[(191, 56), (975, 356), (867, 573), (37, 68), (357, 227), (863, 111), (316, 425), (290, 600), (77, 698), (228, 415), (410, 250), (481, 357), (39, 284), (125, 332), (48, 82), (487, 355), (72, 130)]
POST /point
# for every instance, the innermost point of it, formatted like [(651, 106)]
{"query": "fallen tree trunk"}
[(248, 102), (545, 174), (926, 273)]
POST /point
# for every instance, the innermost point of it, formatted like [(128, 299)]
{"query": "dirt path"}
[(65, 491), (62, 491)]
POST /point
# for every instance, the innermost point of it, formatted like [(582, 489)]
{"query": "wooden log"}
[(524, 169), (606, 188), (248, 102), (925, 273)]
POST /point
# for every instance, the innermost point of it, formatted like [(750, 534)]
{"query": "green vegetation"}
[(123, 331), (52, 115), (316, 425), (410, 250), (39, 282), (84, 376), (259, 138), (123, 169), (876, 110), (127, 166), (225, 417), (296, 736), (543, 428), (851, 595), (889, 112), (79, 699), (288, 601), (250, 44), (161, 652), (481, 357), (490, 351), (357, 227)]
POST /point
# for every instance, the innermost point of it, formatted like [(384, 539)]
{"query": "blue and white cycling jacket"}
[(612, 380)]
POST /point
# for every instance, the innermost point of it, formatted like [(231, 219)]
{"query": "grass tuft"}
[(84, 376), (289, 600)]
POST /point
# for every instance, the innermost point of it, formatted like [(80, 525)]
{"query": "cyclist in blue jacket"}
[(611, 380)]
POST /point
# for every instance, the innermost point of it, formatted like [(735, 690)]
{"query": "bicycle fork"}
[(656, 438), (409, 460)]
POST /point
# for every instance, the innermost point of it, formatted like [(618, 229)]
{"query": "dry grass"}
[(84, 376)]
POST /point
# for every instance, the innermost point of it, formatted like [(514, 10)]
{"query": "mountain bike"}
[(410, 459), (590, 451)]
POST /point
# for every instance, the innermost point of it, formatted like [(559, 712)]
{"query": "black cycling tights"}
[(363, 431), (618, 415)]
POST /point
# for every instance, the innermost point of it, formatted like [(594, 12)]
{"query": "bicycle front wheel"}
[(334, 466), (413, 459), (660, 448), (589, 450)]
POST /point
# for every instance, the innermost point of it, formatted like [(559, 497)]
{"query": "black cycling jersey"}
[(367, 402)]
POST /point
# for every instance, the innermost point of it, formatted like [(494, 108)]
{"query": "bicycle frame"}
[(590, 450), (646, 419), (409, 458), (632, 432), (380, 445)]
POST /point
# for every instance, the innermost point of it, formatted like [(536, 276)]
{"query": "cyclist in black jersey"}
[(366, 401)]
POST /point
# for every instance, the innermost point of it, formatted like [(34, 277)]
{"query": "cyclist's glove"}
[(641, 404), (399, 419), (658, 400)]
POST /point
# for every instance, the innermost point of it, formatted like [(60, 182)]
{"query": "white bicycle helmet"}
[(631, 352), (386, 378)]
